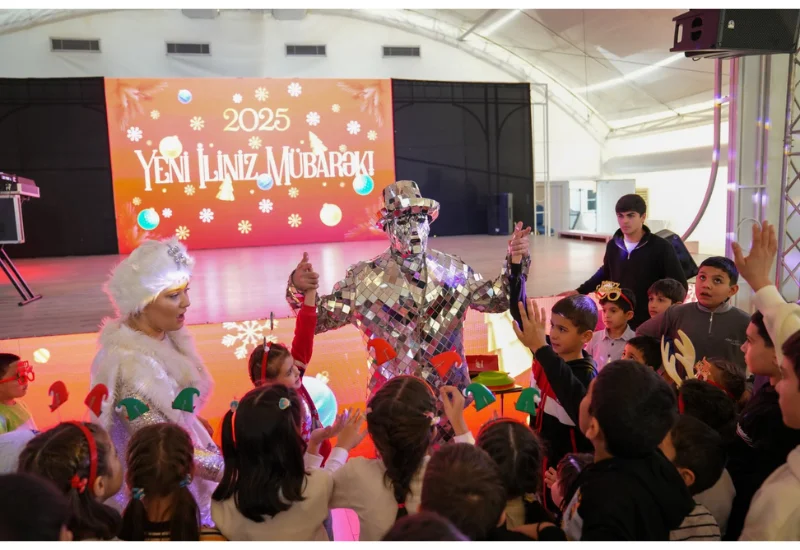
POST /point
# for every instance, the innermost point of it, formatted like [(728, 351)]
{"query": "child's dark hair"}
[(580, 310), (724, 264), (757, 319), (733, 376), (634, 407), (263, 452), (399, 421), (424, 526), (59, 455), (518, 452), (791, 351), (33, 509), (567, 472), (463, 484), (631, 203), (698, 448), (650, 348), (160, 462), (622, 303), (276, 355), (670, 289), (709, 404), (6, 360)]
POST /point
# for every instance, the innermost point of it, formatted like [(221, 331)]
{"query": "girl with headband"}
[(82, 463), (269, 490)]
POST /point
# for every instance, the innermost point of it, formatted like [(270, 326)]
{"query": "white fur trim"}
[(157, 370), (147, 272)]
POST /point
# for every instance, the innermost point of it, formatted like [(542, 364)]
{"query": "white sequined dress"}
[(132, 364)]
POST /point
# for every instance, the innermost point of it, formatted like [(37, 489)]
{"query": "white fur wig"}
[(152, 268)]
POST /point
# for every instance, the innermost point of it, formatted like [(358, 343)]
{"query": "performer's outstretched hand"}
[(304, 278), (519, 244), (453, 405), (533, 332)]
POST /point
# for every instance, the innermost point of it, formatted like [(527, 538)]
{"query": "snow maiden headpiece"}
[(155, 266)]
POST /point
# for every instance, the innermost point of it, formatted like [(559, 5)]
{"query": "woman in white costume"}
[(146, 353)]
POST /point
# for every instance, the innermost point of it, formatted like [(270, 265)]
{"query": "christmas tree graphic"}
[(226, 190), (317, 147)]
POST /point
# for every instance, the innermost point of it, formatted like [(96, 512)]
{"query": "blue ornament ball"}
[(184, 96), (363, 184), (264, 182), (323, 399), (148, 219)]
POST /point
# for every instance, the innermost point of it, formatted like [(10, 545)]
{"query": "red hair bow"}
[(79, 483)]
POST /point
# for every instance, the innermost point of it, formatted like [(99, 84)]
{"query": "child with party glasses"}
[(14, 377)]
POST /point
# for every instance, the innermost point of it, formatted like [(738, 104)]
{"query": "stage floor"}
[(249, 283)]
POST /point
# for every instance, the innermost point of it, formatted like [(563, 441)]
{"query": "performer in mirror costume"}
[(413, 297)]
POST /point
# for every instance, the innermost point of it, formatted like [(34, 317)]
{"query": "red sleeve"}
[(303, 343)]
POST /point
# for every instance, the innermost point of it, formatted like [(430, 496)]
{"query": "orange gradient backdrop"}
[(248, 162)]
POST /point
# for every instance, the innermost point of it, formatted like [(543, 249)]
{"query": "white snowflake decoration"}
[(312, 118), (254, 142), (335, 108), (294, 89), (342, 148), (189, 190), (136, 201), (265, 206), (182, 232), (353, 127), (154, 114), (167, 212), (134, 133), (248, 333), (372, 135), (206, 215), (197, 123), (262, 94), (237, 98), (245, 227), (295, 220), (293, 192)]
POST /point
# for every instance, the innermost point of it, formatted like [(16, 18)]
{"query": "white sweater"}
[(360, 485), (301, 522), (775, 510)]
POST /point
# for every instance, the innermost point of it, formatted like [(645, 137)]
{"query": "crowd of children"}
[(653, 434)]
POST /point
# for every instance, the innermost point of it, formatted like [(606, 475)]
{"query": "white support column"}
[(788, 275), (757, 117)]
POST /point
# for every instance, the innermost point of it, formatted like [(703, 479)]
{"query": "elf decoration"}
[(528, 401), (483, 396)]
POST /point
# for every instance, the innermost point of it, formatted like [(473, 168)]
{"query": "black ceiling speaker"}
[(736, 33)]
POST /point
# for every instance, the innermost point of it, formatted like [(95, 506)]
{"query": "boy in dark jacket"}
[(635, 258), (631, 492), (572, 322)]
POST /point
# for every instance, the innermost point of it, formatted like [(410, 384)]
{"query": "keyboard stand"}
[(16, 279)]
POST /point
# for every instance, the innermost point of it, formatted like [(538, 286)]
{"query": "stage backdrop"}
[(248, 162)]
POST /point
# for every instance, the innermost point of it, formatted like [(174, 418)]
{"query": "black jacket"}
[(652, 259), (761, 445), (568, 382), (628, 499)]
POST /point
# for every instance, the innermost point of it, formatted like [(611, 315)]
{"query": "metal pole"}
[(548, 217), (733, 148), (787, 149)]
